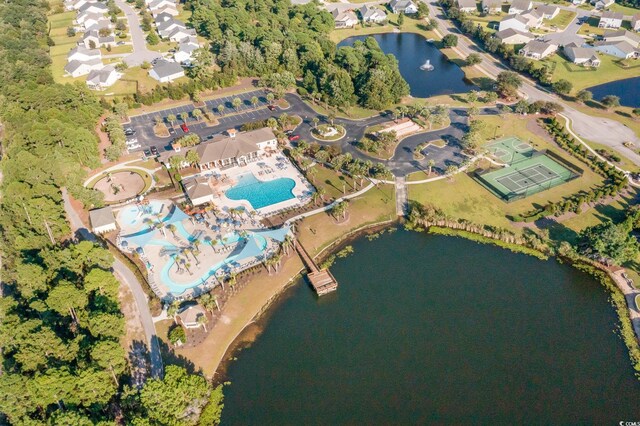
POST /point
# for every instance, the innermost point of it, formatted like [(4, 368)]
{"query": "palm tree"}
[(270, 98), (431, 164), (220, 109), (272, 123), (197, 114), (236, 102), (254, 101), (311, 173), (451, 170), (202, 320), (277, 258), (315, 197), (172, 228), (287, 244), (173, 309), (184, 116), (187, 265), (171, 118), (315, 120), (321, 192), (232, 280), (283, 120), (331, 117)]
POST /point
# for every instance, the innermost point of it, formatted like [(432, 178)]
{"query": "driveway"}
[(140, 51)]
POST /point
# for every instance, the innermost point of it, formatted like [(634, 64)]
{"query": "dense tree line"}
[(60, 319), (265, 37)]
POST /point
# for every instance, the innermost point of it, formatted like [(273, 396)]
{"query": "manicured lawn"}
[(464, 198), (626, 10), (62, 20), (331, 182), (117, 50), (562, 20), (610, 70), (410, 25)]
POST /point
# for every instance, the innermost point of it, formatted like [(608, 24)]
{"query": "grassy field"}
[(626, 10), (562, 20), (463, 197), (410, 25), (331, 182)]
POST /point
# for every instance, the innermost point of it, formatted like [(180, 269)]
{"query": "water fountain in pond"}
[(427, 66)]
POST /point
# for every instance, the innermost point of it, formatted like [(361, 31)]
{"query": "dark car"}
[(294, 137), (147, 153), (129, 132), (171, 130), (184, 127), (154, 150), (271, 107)]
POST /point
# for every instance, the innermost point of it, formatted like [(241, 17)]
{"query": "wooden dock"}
[(322, 281)]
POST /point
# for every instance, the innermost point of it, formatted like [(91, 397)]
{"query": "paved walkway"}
[(141, 52), (630, 294), (402, 201), (127, 277)]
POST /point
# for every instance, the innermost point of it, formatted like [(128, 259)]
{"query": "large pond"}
[(627, 90), (429, 329), (412, 50)]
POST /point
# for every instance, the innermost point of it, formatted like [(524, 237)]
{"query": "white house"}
[(515, 22), (82, 17), (635, 22), (577, 2), (533, 18), (467, 6), (102, 220), (603, 4), (610, 20), (170, 10), (622, 35), (92, 39), (403, 6), (189, 316), (344, 19), (96, 22), (619, 49), (94, 7), (166, 27), (491, 6), (513, 36), (185, 50), (180, 34), (158, 4), (165, 71), (199, 191), (536, 49), (372, 14), (83, 54), (585, 56), (77, 68), (103, 78), (519, 6), (548, 11)]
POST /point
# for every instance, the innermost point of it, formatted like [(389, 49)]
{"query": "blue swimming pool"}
[(261, 194)]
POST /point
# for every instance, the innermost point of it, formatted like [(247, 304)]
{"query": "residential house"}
[(82, 17), (170, 10), (76, 68), (103, 78), (82, 54), (92, 40), (236, 150), (102, 220), (619, 49), (96, 22), (467, 6), (515, 22), (577, 2), (373, 14), (165, 71), (635, 22), (188, 317), (585, 56), (548, 11), (162, 17), (198, 191), (537, 49), (166, 27), (513, 36), (519, 6), (74, 4), (622, 35), (534, 19), (407, 7), (93, 7), (180, 34), (491, 6), (603, 4), (610, 20), (184, 53), (344, 19), (159, 4)]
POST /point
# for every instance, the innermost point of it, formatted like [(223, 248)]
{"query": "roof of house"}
[(612, 15), (547, 9), (492, 3), (155, 3), (521, 4), (190, 314), (100, 76), (515, 17), (531, 13), (165, 25), (344, 15), (623, 46), (467, 3), (537, 46), (162, 17), (631, 37), (401, 4), (164, 68), (188, 47), (96, 34), (233, 147), (510, 32), (197, 188), (368, 12), (81, 50), (102, 217), (95, 5), (580, 52), (187, 32), (635, 17)]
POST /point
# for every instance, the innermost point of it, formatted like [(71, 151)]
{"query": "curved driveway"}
[(140, 51)]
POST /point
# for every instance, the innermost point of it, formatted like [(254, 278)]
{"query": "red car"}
[(184, 127), (294, 138), (271, 108)]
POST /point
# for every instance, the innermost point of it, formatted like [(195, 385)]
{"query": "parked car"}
[(134, 146), (154, 150), (129, 132), (120, 43), (171, 130), (294, 137), (132, 141), (271, 107), (146, 153), (184, 127)]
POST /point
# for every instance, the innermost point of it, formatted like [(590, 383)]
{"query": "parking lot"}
[(231, 117)]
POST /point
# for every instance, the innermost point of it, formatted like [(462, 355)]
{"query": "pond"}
[(431, 329), (412, 50), (627, 90)]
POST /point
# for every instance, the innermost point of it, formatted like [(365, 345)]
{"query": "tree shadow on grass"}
[(170, 357)]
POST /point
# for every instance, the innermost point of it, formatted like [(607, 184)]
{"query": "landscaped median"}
[(328, 132), (121, 184)]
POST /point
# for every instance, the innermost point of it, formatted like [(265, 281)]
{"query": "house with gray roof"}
[(92, 39), (76, 68), (344, 18), (548, 11), (407, 7), (585, 56), (622, 35), (513, 36), (102, 78), (619, 49), (94, 7), (519, 6), (372, 14), (237, 149), (102, 220), (166, 27), (537, 49), (515, 22), (635, 22), (610, 20), (491, 6), (165, 71), (82, 54), (467, 6)]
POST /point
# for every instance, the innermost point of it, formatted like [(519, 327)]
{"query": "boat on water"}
[(427, 66)]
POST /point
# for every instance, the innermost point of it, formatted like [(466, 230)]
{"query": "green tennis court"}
[(510, 150)]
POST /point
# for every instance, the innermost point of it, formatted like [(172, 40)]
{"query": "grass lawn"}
[(376, 205), (626, 10), (563, 19), (624, 162), (146, 177), (410, 25), (331, 182), (117, 50), (610, 70), (62, 20), (464, 198)]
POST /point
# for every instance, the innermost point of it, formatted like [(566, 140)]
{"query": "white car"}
[(130, 147), (132, 141)]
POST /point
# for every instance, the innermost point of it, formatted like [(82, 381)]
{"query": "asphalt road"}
[(140, 51)]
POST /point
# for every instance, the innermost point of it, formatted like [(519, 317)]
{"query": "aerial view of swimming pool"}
[(261, 194)]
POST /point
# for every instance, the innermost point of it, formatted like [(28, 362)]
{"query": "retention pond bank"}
[(430, 328)]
